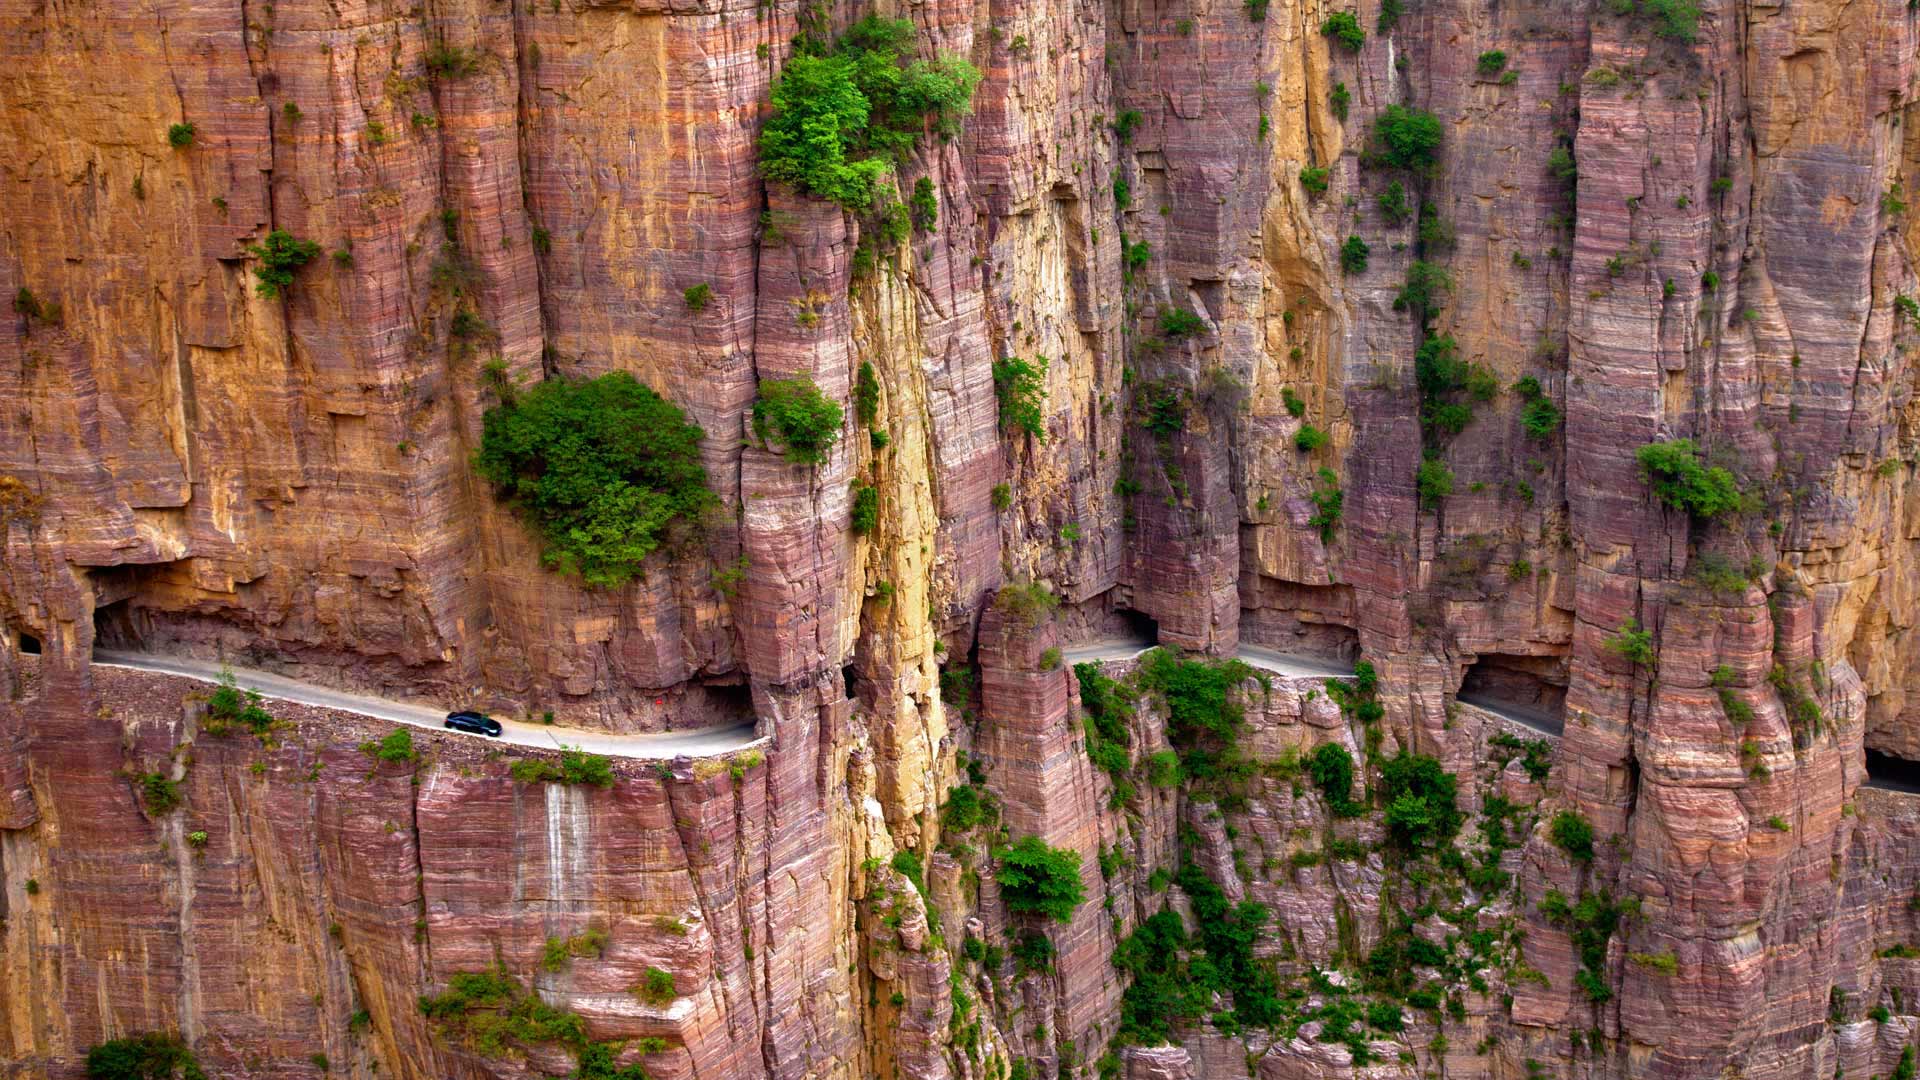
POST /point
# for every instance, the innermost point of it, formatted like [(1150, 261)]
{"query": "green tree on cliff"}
[(843, 115), (604, 470)]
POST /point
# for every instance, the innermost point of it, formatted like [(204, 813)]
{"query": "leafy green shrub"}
[(1420, 801), (1540, 417), (1050, 658), (180, 136), (866, 394), (1424, 285), (1331, 767), (698, 297), (1107, 706), (396, 746), (1393, 203), (1676, 20), (841, 116), (656, 987), (1342, 27), (591, 942), (908, 865), (966, 808), (1203, 721), (1433, 481), (1163, 769), (1673, 469), (1314, 180), (1033, 952), (1122, 193), (1571, 834), (451, 61), (925, 205), (1028, 602), (1021, 388), (1632, 644), (1405, 138), (574, 767), (795, 414), (1664, 963), (1536, 754), (1449, 387), (1327, 500), (866, 509), (1590, 922), (280, 256), (1039, 880), (1002, 496), (160, 794), (1491, 63), (1177, 323), (1562, 167), (605, 471), (1309, 438), (1163, 407), (228, 705), (1339, 99), (1296, 406), (1125, 124), (152, 1056), (1353, 255)]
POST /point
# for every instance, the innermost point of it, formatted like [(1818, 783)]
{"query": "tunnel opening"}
[(1138, 626), (1534, 688), (115, 627), (1313, 622), (713, 705), (28, 644), (1893, 772)]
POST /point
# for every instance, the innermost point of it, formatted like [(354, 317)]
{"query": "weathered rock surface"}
[(1721, 254)]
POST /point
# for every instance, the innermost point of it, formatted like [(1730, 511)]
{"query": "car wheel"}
[(448, 724)]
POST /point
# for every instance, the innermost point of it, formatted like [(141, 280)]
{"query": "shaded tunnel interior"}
[(1138, 626), (1889, 771), (1532, 685)]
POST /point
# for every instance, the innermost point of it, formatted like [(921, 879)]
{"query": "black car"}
[(478, 723)]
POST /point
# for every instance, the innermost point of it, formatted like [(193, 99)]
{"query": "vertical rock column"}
[(1030, 738), (797, 627)]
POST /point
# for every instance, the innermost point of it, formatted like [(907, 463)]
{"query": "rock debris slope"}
[(1542, 353)]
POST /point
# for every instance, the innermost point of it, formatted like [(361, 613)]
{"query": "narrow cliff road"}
[(700, 743), (1298, 666), (1533, 719), (1290, 665)]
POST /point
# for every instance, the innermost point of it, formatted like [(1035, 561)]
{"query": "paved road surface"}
[(1288, 664), (1533, 719), (280, 688), (1883, 772), (1298, 666)]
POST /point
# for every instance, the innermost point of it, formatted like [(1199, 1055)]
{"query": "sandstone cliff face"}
[(190, 466)]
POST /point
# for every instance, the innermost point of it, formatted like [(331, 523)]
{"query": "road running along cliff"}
[(706, 742), (1293, 666)]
